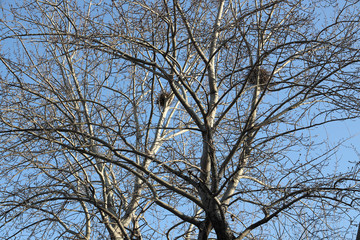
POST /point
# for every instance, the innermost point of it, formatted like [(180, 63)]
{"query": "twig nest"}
[(163, 99), (262, 74)]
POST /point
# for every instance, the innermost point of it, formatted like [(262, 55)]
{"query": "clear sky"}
[(347, 132)]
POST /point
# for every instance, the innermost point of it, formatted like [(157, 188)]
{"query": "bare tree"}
[(177, 119)]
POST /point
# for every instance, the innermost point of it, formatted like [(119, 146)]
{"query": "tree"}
[(176, 119)]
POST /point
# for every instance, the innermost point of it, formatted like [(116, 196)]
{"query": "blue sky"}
[(332, 133)]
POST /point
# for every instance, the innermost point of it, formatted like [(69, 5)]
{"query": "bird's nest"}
[(262, 75), (163, 99)]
